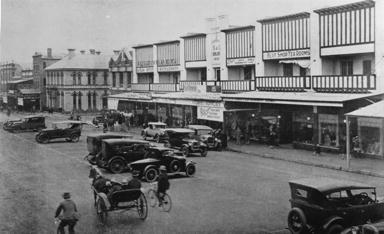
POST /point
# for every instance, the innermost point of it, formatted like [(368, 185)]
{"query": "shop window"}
[(248, 73), (346, 67), (287, 69), (328, 130), (367, 67), (303, 127), (368, 140)]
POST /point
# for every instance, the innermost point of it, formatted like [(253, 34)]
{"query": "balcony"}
[(155, 87), (344, 84), (283, 83), (78, 86)]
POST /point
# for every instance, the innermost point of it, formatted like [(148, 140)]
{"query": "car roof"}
[(157, 123), (159, 147), (200, 127), (179, 130), (124, 140), (112, 134), (69, 122), (324, 184), (32, 116)]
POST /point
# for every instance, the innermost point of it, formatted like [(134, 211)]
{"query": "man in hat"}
[(69, 215), (134, 183), (162, 184)]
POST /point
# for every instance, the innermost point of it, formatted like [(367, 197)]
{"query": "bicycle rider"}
[(162, 184)]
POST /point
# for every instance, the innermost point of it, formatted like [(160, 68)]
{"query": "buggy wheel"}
[(151, 175), (204, 152), (152, 198), (335, 229), (190, 170), (185, 150), (166, 204), (101, 211), (142, 207), (297, 222), (44, 139), (75, 138), (174, 166), (117, 166)]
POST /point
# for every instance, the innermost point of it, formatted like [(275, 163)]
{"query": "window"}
[(346, 68), (129, 80), (74, 100), (217, 74), (121, 79), (105, 78), (79, 101), (94, 78), (94, 101), (89, 101), (248, 73), (44, 65), (367, 68), (203, 74), (287, 69), (303, 71), (79, 78), (89, 78), (74, 78), (113, 79)]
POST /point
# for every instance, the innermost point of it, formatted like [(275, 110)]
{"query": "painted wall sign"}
[(144, 69), (168, 68), (287, 54), (241, 61)]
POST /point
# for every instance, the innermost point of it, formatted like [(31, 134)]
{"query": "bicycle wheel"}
[(152, 198), (166, 204)]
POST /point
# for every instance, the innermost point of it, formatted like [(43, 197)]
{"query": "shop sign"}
[(5, 99), (20, 101), (168, 68), (241, 61), (195, 88), (287, 54), (112, 103), (144, 69), (210, 111), (166, 62)]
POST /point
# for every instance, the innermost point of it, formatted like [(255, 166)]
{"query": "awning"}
[(304, 63), (375, 110)]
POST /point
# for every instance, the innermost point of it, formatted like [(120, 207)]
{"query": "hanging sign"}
[(210, 111)]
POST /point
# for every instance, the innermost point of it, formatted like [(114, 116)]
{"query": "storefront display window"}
[(303, 127), (177, 116), (329, 130), (369, 136)]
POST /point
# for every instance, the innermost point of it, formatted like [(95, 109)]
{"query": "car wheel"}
[(185, 150), (157, 138), (151, 175), (44, 139), (174, 166), (75, 138), (297, 222), (204, 152), (335, 229), (190, 170), (117, 166)]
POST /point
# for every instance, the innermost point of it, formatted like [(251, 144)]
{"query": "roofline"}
[(238, 28), (194, 35), (285, 17), (142, 46), (167, 42), (346, 7)]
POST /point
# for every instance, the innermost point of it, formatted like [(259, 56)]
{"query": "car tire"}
[(334, 229), (185, 150), (190, 170), (174, 166), (75, 138), (157, 138), (151, 174), (117, 166), (204, 152), (43, 139), (297, 222)]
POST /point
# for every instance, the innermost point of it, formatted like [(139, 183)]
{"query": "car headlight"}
[(218, 140)]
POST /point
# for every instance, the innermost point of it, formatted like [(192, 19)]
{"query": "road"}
[(230, 193)]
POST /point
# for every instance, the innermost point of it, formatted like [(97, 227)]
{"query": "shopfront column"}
[(316, 130), (155, 72)]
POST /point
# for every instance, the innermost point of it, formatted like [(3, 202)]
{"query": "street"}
[(230, 193)]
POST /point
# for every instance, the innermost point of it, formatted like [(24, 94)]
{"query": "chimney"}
[(223, 21), (71, 53), (98, 52), (116, 52), (82, 51), (49, 52), (92, 51)]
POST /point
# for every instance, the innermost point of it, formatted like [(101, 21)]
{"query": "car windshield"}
[(158, 126), (204, 132)]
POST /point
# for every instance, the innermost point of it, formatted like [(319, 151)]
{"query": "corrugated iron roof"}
[(375, 110)]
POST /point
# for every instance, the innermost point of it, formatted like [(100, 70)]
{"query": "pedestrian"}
[(69, 216), (272, 136), (238, 133), (162, 184)]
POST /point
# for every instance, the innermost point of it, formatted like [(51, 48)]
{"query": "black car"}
[(173, 160), (369, 228), (117, 153), (70, 130), (34, 122), (205, 134), (325, 205), (94, 144), (182, 139)]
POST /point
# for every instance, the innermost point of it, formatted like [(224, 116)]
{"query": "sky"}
[(29, 26)]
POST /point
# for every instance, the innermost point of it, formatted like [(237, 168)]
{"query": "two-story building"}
[(120, 66)]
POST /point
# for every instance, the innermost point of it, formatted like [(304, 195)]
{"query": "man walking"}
[(69, 215)]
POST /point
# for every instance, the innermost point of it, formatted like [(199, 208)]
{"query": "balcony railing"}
[(156, 87), (234, 86), (283, 83), (348, 84)]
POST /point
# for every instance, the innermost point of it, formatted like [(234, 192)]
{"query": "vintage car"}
[(205, 134), (70, 130), (34, 122), (98, 119), (369, 228), (325, 205), (156, 156), (182, 139), (155, 131), (94, 144), (117, 153)]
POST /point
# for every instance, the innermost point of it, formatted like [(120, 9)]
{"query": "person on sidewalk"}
[(69, 216), (272, 136)]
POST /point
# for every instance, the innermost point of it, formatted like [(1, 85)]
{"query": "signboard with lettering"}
[(216, 51), (287, 54), (20, 101), (5, 99), (241, 61), (168, 68), (193, 88), (210, 111), (167, 62), (144, 69), (213, 89)]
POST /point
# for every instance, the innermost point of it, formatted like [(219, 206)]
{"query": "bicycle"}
[(164, 203)]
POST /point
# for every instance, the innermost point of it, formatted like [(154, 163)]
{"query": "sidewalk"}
[(364, 166)]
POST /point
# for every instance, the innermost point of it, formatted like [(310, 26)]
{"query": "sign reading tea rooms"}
[(287, 54)]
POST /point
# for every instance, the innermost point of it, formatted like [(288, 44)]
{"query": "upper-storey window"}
[(239, 43), (194, 48), (348, 24), (346, 67), (367, 67), (144, 56), (105, 78), (168, 54)]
